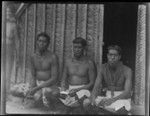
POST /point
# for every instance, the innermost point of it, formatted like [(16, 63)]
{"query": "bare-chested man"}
[(115, 78), (44, 68), (79, 74)]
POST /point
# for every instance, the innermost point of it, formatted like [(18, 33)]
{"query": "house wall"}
[(63, 23)]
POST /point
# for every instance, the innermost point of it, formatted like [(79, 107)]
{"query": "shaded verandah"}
[(61, 21)]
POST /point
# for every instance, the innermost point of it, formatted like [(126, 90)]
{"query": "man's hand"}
[(31, 92), (72, 92), (92, 100), (62, 89), (106, 101)]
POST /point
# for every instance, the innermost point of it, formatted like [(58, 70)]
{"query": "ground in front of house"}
[(14, 105)]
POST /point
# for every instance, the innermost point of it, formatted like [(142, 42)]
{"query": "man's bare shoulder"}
[(52, 56), (89, 61), (127, 70), (68, 61), (33, 55)]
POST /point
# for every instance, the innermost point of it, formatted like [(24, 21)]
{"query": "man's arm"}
[(128, 85), (98, 85), (54, 74), (64, 77), (33, 73), (126, 93), (91, 74)]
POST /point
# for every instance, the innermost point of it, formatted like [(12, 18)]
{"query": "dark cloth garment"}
[(114, 79)]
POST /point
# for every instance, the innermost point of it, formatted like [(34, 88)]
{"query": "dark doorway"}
[(120, 24)]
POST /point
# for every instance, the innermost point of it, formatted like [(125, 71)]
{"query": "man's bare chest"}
[(78, 68), (42, 63)]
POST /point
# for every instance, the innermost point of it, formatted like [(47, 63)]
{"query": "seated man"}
[(117, 78), (44, 69), (78, 76)]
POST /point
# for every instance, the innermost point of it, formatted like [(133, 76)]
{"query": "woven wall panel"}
[(50, 23), (92, 17), (63, 23), (21, 47), (99, 41), (140, 57), (59, 32), (40, 18), (81, 20), (70, 29), (29, 40)]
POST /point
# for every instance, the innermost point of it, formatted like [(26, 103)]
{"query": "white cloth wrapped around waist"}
[(71, 101), (43, 91), (117, 104)]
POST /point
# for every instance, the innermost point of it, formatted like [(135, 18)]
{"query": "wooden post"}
[(24, 64), (34, 33), (3, 61), (147, 59), (44, 18), (140, 57), (100, 36)]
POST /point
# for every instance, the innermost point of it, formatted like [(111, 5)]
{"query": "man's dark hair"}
[(44, 35), (80, 40), (115, 47)]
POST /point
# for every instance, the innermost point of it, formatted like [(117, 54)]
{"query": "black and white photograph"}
[(75, 58)]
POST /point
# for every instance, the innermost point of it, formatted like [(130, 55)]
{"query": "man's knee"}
[(53, 93), (86, 103), (37, 96)]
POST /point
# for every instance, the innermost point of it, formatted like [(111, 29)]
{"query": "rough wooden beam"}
[(34, 26), (21, 9), (3, 62), (100, 35), (147, 59), (44, 18), (140, 57), (25, 46)]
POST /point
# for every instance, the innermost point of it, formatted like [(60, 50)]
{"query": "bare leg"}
[(53, 98)]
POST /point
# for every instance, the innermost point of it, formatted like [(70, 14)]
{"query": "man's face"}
[(78, 49), (42, 43), (113, 56)]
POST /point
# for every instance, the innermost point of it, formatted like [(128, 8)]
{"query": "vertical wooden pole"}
[(25, 45), (100, 34), (140, 57), (44, 17), (17, 54), (3, 61), (147, 59), (34, 28)]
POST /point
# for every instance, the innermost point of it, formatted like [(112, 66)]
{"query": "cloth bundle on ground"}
[(20, 90), (74, 101)]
